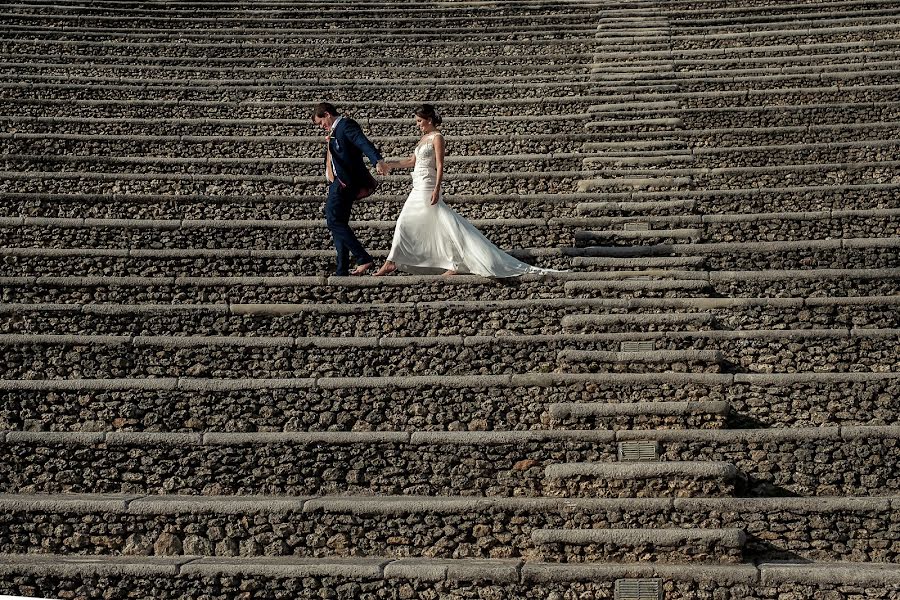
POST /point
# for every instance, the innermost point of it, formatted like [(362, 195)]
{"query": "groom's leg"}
[(339, 224), (337, 214)]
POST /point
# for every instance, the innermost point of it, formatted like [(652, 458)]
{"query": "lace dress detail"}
[(432, 238)]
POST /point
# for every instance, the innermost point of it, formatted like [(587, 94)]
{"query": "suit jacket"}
[(348, 146)]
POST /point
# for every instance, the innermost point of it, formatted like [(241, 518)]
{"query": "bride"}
[(431, 237)]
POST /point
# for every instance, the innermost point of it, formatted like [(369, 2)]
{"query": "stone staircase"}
[(703, 405)]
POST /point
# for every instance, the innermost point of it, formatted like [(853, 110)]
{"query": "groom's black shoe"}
[(361, 269)]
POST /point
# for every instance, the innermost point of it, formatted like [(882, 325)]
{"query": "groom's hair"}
[(324, 108)]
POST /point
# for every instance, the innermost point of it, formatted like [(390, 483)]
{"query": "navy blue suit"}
[(348, 146)]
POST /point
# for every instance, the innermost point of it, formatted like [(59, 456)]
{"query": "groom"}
[(344, 161)]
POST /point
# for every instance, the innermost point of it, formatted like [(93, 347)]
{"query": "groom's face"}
[(324, 122)]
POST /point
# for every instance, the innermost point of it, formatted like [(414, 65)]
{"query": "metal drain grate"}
[(638, 451), (645, 346), (638, 589)]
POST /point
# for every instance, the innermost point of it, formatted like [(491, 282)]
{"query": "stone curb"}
[(564, 410), (69, 566), (652, 356), (673, 318), (633, 97), (817, 74), (642, 470), (356, 568), (499, 570), (654, 285), (456, 438), (469, 381), (585, 572), (487, 570), (408, 505), (251, 341), (860, 574), (586, 221), (734, 538), (462, 305)]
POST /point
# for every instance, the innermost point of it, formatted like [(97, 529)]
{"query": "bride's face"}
[(424, 125)]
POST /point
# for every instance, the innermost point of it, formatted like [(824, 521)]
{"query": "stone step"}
[(715, 137), (229, 357), (156, 576), (631, 238), (674, 545), (503, 463), (667, 321), (671, 62), (384, 90), (800, 199), (741, 284), (460, 74), (571, 68), (554, 41), (254, 28), (722, 256), (395, 527), (255, 234), (456, 317), (640, 360), (511, 182), (136, 88), (872, 253), (191, 262), (449, 402), (618, 180), (639, 415), (757, 155), (883, 222), (302, 167), (273, 207), (737, 228), (712, 201), (644, 13), (286, 131), (759, 116), (599, 263), (89, 29), (521, 107), (680, 479), (236, 150), (744, 72)]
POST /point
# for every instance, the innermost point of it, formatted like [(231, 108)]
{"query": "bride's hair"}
[(427, 111)]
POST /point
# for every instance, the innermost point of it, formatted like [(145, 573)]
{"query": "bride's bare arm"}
[(439, 166), (405, 163)]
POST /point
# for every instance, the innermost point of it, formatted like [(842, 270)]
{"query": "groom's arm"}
[(356, 136)]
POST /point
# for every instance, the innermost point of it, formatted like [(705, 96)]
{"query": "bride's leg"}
[(449, 273), (387, 268)]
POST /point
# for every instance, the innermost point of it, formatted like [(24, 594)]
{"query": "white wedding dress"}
[(433, 238)]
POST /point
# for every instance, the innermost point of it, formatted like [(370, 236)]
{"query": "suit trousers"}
[(337, 217)]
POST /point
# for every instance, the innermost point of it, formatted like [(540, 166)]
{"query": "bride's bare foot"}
[(449, 273), (386, 269)]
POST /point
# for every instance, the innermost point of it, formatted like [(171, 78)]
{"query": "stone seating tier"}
[(638, 203), (855, 461), (617, 401), (457, 317), (370, 578)]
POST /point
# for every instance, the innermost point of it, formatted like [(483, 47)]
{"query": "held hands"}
[(382, 168)]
